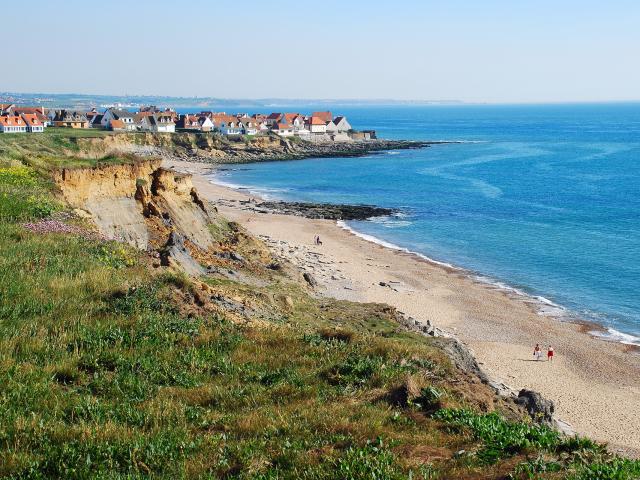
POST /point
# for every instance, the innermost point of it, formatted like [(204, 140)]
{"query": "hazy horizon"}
[(498, 52)]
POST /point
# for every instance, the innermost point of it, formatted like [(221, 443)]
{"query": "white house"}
[(125, 116), (230, 126), (342, 125), (249, 126), (317, 125), (331, 127), (157, 124), (206, 125), (283, 129), (12, 124)]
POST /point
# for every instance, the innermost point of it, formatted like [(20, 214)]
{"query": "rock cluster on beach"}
[(319, 211)]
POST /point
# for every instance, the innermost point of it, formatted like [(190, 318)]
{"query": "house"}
[(283, 129), (249, 126), (342, 125), (157, 124), (331, 127), (274, 119), (12, 124), (91, 114), (126, 117), (33, 123), (39, 112), (317, 125), (188, 122), (326, 117), (96, 121), (230, 126), (70, 119), (206, 125)]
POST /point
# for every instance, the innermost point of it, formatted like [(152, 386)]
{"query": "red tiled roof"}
[(116, 124), (325, 116), (11, 121), (317, 121), (31, 119)]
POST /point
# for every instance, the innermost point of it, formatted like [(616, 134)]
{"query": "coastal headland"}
[(594, 384)]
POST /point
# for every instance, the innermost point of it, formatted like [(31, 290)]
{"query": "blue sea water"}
[(543, 198)]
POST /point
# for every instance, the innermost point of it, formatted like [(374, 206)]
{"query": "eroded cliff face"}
[(144, 205)]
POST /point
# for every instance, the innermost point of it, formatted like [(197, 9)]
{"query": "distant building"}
[(157, 124), (70, 119), (317, 125), (342, 125), (283, 129), (12, 124), (274, 118), (96, 121), (39, 112), (126, 117)]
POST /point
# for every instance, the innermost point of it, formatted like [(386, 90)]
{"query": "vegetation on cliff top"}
[(111, 368)]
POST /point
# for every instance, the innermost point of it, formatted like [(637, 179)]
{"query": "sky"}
[(491, 51)]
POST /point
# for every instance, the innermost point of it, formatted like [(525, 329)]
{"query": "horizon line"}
[(379, 100)]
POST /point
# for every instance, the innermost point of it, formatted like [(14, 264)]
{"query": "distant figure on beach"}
[(317, 240), (550, 354), (537, 352)]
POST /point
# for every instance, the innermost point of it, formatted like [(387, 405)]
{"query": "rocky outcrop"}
[(539, 408), (215, 148), (325, 211), (144, 205)]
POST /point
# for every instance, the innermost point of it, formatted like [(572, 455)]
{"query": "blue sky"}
[(474, 50)]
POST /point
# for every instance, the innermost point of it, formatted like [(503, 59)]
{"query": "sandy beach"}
[(595, 384)]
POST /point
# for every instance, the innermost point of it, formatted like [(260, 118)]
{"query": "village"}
[(320, 126)]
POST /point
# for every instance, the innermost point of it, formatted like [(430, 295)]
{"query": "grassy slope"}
[(111, 368)]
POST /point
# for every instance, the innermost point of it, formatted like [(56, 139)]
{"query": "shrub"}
[(500, 438)]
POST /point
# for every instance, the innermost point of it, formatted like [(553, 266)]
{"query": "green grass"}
[(109, 369)]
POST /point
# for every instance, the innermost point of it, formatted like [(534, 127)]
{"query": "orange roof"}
[(117, 124), (317, 121), (31, 119), (11, 121), (325, 116), (290, 117)]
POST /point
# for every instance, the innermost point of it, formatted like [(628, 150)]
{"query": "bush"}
[(500, 438)]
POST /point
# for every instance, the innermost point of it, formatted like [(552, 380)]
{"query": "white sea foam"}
[(614, 335), (544, 306)]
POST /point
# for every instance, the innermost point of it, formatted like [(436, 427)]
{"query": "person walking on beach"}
[(537, 351), (317, 240), (550, 354)]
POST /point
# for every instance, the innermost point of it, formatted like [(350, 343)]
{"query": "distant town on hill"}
[(85, 101)]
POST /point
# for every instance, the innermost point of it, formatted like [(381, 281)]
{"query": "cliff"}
[(215, 148)]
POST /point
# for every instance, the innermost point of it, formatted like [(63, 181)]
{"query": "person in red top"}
[(550, 353)]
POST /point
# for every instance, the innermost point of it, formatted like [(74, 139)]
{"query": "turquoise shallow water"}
[(545, 199)]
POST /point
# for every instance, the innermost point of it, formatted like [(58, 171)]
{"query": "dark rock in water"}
[(325, 211), (310, 279), (540, 409)]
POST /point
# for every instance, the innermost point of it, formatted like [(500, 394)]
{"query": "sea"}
[(542, 200)]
